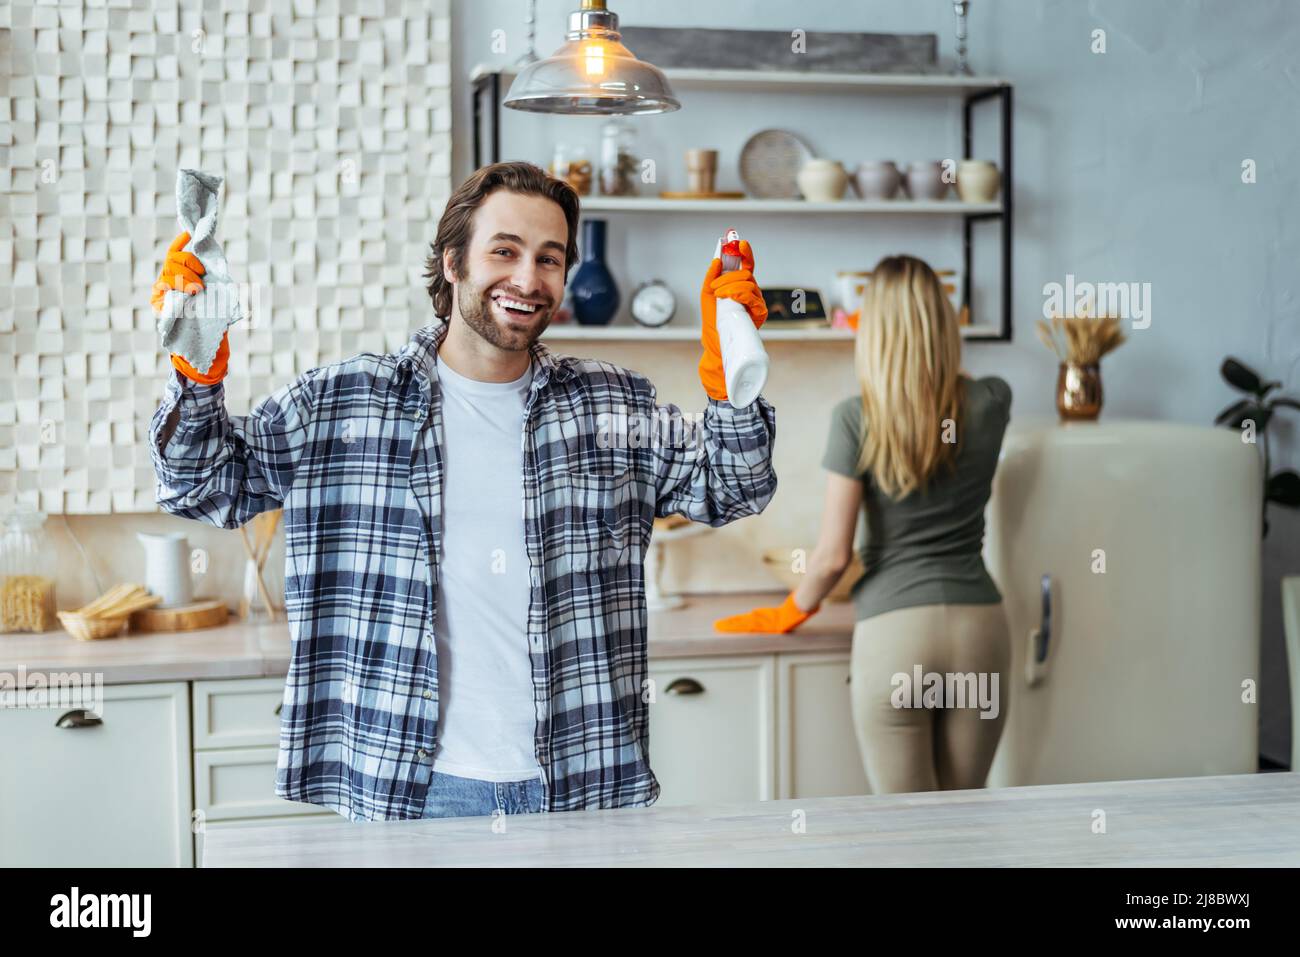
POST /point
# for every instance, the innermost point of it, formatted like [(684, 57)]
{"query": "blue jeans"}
[(450, 796)]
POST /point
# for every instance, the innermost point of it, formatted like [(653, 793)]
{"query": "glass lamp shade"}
[(592, 74)]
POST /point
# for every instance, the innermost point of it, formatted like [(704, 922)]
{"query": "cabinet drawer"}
[(241, 713), (712, 735), (237, 783), (111, 789)]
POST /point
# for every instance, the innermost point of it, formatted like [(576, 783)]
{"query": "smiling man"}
[(464, 541)]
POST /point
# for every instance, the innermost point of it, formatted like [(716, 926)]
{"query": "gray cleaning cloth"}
[(191, 325)]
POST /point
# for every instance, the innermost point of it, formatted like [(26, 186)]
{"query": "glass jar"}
[(618, 162), (27, 566), (252, 607), (571, 164)]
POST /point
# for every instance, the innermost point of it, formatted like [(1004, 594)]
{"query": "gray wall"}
[(1128, 168)]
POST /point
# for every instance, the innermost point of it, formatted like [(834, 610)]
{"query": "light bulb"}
[(593, 58)]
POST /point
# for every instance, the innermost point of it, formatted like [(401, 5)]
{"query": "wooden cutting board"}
[(202, 613)]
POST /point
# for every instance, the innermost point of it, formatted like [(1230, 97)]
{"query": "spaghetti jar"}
[(27, 567)]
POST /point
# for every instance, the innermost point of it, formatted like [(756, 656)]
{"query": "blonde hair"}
[(908, 358)]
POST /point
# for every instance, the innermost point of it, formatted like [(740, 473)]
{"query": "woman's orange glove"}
[(182, 271), (785, 617), (740, 287)]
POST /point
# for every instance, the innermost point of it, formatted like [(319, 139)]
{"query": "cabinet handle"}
[(685, 686), (80, 718)]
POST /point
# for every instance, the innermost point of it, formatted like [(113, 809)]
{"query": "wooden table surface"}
[(1229, 820)]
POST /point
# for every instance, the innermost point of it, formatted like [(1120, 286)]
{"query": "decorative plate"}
[(769, 163)]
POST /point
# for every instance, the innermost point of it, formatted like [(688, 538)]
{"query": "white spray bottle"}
[(744, 361)]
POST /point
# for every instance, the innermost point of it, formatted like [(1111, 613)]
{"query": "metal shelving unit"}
[(486, 83)]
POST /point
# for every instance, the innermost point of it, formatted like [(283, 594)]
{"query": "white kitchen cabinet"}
[(236, 744), (118, 787), (713, 729), (817, 747), (97, 788)]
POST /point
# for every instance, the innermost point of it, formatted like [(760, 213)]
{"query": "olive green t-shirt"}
[(924, 549)]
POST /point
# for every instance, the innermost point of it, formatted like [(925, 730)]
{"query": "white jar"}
[(924, 180), (977, 181), (822, 180), (877, 179)]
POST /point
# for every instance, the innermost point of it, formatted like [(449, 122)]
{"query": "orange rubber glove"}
[(183, 271), (740, 287), (785, 617), (216, 372)]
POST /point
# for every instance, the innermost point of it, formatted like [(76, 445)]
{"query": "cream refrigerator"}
[(1128, 555)]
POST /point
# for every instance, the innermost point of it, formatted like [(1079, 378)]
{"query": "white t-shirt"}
[(487, 718)]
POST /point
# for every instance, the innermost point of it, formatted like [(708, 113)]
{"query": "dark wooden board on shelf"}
[(821, 51), (668, 194)]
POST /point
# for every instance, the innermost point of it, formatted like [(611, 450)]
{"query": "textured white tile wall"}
[(331, 123)]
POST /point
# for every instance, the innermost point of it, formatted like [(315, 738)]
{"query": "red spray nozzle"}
[(729, 248)]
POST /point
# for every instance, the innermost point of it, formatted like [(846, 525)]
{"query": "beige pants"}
[(930, 748)]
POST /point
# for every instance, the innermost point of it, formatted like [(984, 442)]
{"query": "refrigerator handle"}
[(1040, 638)]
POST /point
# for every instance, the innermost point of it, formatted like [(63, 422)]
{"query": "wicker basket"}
[(107, 615), (87, 628)]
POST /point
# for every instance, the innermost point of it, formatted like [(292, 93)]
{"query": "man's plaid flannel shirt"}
[(353, 453)]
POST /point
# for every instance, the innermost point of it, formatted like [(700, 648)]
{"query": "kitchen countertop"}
[(1221, 821), (241, 650)]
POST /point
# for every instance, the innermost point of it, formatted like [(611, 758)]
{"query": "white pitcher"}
[(167, 567)]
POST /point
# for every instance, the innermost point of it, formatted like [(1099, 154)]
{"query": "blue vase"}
[(595, 296)]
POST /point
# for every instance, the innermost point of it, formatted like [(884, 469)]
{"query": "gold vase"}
[(1078, 391)]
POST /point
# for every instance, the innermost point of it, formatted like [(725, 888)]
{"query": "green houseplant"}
[(1257, 406)]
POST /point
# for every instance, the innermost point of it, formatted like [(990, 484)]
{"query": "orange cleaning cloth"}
[(183, 271), (786, 616)]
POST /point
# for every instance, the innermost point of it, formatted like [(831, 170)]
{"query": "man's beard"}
[(476, 309)]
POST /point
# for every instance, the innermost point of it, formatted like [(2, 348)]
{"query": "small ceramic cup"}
[(977, 181), (822, 180), (924, 179), (877, 179), (701, 170)]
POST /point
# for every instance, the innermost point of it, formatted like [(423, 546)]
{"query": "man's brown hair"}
[(458, 219)]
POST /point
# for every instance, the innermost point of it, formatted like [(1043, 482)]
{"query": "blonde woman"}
[(915, 453)]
